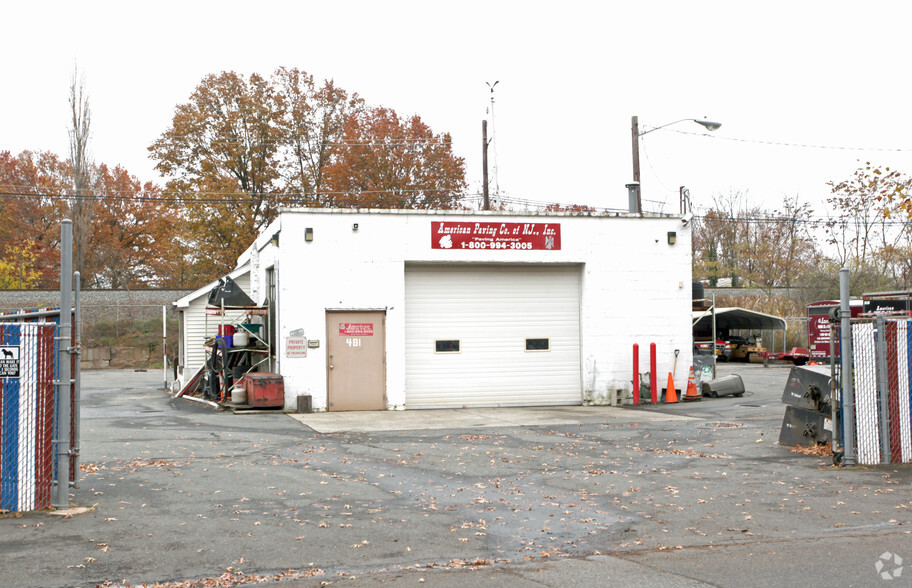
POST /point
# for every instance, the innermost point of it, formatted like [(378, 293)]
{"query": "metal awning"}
[(736, 318)]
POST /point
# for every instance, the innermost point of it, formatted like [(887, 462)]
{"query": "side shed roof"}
[(737, 318), (204, 291)]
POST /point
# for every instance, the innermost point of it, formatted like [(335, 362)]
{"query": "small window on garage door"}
[(446, 346), (538, 344)]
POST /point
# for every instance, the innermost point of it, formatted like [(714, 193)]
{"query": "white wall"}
[(636, 288)]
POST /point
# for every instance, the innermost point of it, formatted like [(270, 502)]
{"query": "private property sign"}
[(295, 347), (495, 236)]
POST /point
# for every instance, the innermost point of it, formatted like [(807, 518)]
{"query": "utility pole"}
[(484, 164), (64, 385), (845, 354), (494, 135), (635, 138)]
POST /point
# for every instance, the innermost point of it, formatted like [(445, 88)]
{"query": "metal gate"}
[(881, 378), (27, 411)]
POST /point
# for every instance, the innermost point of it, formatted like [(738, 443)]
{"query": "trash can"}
[(724, 386)]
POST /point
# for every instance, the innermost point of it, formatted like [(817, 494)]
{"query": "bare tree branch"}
[(81, 207)]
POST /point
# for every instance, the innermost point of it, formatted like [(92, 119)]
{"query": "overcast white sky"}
[(571, 73)]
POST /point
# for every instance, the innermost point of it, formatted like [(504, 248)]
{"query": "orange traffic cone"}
[(670, 394), (692, 393)]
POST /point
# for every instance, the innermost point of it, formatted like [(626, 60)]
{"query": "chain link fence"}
[(882, 390), (27, 416)]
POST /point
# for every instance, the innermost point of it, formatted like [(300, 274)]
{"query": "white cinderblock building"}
[(409, 309)]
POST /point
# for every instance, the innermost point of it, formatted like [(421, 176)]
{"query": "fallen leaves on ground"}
[(820, 450), (227, 580)]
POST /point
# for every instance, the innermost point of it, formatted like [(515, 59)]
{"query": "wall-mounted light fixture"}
[(308, 234), (672, 237), (355, 226)]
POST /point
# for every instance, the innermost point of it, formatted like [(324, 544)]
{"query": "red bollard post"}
[(636, 373), (653, 387)]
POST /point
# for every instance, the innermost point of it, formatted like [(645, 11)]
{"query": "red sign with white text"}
[(356, 329), (495, 236)]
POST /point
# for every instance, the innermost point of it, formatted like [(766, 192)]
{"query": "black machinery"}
[(809, 412)]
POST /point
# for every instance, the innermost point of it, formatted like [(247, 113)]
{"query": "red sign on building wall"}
[(356, 329), (495, 236)]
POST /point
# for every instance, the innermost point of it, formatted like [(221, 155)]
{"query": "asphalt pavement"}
[(688, 494)]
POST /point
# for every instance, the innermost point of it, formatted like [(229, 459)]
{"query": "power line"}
[(26, 192), (343, 143), (211, 197), (656, 175), (823, 221), (798, 145)]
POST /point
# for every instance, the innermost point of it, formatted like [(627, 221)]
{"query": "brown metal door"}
[(356, 360)]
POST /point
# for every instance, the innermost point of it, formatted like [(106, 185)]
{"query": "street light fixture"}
[(635, 135)]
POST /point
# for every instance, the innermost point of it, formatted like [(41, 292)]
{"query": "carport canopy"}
[(736, 318)]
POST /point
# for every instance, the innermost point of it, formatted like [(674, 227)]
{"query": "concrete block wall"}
[(105, 305), (97, 304), (100, 358)]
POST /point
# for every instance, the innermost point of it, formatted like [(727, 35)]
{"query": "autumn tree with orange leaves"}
[(242, 147), (311, 126), (219, 158), (388, 162), (30, 212), (870, 227), (132, 238), (239, 149), (129, 241)]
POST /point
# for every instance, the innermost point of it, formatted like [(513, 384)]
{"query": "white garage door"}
[(492, 335)]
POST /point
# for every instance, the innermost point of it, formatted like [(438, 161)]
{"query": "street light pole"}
[(635, 135)]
